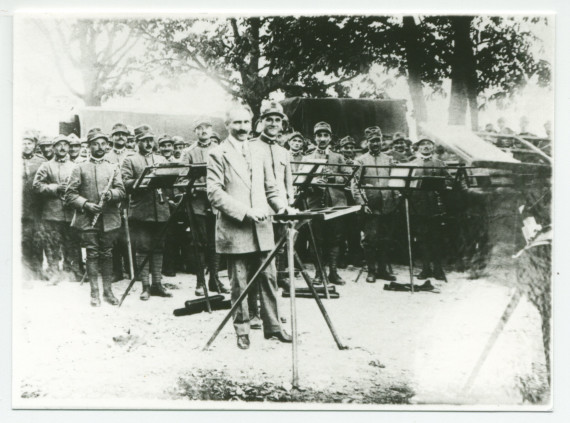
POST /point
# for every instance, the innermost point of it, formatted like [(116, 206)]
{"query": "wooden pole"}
[(291, 263), (409, 244)]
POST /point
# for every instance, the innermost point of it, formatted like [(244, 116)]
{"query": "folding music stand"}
[(304, 181), (172, 175), (294, 222), (403, 179)]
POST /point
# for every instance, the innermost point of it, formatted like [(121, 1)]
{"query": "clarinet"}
[(102, 200)]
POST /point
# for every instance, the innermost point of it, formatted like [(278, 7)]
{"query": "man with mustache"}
[(241, 187), (149, 211), (74, 147), (205, 219), (399, 151), (84, 193), (32, 255), (50, 183), (119, 136), (328, 234), (379, 207), (179, 147)]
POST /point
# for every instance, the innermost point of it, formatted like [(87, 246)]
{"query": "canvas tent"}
[(347, 116)]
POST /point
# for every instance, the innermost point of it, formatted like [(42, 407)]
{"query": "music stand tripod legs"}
[(288, 238)]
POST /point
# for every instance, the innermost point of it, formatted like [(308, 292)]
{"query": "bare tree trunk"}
[(414, 58), (463, 74)]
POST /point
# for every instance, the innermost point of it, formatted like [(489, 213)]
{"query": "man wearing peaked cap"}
[(119, 135), (166, 147), (32, 254), (46, 146), (94, 190), (179, 146), (379, 207), (295, 143), (50, 184), (271, 119), (400, 152), (149, 212), (74, 147), (427, 210), (328, 234), (205, 219)]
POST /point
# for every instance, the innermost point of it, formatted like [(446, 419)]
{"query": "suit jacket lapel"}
[(237, 161)]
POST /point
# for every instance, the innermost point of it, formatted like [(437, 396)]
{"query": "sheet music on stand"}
[(163, 175)]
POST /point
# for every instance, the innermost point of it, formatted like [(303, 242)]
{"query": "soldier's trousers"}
[(60, 241), (175, 248), (328, 236), (240, 268), (32, 255), (99, 245), (145, 237), (429, 233)]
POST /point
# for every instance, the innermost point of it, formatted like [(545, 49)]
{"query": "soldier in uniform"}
[(243, 191), (328, 234), (203, 213), (379, 208), (399, 151), (74, 147), (351, 251), (87, 193), (179, 147), (271, 120), (50, 183), (166, 148), (119, 151), (83, 152), (149, 211), (46, 147), (427, 209), (296, 144), (32, 255)]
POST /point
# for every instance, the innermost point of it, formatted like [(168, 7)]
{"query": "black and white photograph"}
[(283, 211)]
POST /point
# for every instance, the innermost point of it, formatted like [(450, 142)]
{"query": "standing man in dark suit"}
[(85, 192), (149, 211), (32, 255), (242, 188), (328, 234)]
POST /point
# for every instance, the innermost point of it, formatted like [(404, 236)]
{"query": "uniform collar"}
[(267, 139), (62, 160), (147, 154), (97, 161), (324, 152), (204, 144), (425, 158), (28, 156), (119, 152)]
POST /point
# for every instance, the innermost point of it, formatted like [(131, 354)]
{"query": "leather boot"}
[(93, 274), (371, 267), (438, 272), (334, 277), (200, 279), (144, 277), (156, 288), (426, 271), (214, 283), (107, 276), (318, 278)]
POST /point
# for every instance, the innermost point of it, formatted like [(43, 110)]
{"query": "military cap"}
[(203, 122), (322, 126), (73, 139), (272, 108), (45, 140), (347, 140), (165, 138), (294, 135), (216, 136), (178, 140), (30, 135), (398, 136), (373, 132), (142, 132), (60, 138), (422, 141), (95, 134), (120, 127)]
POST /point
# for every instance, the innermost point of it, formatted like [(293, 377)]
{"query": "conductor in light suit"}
[(241, 187)]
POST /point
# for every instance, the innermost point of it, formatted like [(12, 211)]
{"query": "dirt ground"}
[(404, 348)]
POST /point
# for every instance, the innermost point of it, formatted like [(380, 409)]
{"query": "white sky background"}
[(41, 99)]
